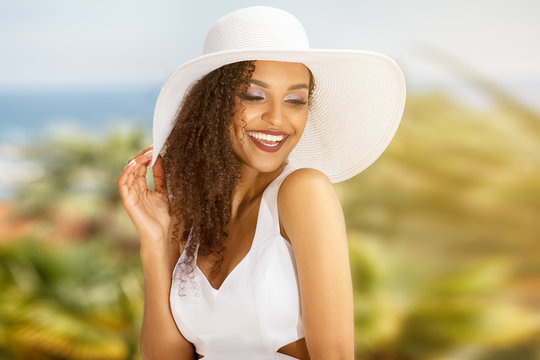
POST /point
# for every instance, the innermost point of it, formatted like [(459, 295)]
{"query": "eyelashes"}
[(298, 102), (255, 98), (252, 98)]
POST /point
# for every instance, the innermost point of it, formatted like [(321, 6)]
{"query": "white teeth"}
[(266, 137), (276, 144)]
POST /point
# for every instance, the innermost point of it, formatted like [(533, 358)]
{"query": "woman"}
[(243, 240)]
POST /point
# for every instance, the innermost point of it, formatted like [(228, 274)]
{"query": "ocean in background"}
[(29, 116)]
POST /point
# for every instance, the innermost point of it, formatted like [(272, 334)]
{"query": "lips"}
[(264, 144)]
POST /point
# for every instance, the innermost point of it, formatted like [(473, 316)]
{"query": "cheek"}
[(301, 121), (242, 121)]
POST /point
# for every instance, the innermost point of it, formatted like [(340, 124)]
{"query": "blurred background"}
[(444, 229)]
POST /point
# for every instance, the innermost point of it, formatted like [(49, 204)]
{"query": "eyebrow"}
[(265, 85)]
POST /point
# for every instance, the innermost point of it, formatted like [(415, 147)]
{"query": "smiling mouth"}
[(267, 139), (268, 142)]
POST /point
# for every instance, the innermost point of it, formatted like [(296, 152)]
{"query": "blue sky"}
[(114, 43)]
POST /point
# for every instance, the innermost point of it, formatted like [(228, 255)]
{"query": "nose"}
[(273, 113)]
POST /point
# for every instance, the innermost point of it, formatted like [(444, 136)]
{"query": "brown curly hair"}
[(201, 168)]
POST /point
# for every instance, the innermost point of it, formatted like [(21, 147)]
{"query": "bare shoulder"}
[(308, 179), (301, 193), (302, 184)]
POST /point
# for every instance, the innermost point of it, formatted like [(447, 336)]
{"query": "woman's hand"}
[(148, 209)]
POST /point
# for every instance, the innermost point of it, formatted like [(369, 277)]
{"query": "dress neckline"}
[(253, 242)]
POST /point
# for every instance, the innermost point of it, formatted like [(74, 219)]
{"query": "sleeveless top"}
[(256, 310)]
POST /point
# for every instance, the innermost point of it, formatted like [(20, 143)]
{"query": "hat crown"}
[(256, 27)]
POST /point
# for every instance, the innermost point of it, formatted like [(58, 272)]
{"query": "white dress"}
[(256, 310)]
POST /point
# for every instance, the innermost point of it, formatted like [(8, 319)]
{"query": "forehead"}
[(280, 70)]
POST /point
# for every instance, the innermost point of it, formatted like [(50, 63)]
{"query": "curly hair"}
[(201, 167)]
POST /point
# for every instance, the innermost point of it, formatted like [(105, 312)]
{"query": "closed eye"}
[(297, 102), (248, 97)]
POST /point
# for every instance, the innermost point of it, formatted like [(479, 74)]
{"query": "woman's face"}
[(275, 115)]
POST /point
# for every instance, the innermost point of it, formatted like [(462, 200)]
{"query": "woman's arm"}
[(313, 220), (160, 337), (150, 212)]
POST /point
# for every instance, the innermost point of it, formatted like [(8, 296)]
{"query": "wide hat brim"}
[(358, 102)]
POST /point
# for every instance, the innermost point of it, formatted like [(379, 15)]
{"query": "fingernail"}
[(148, 152), (129, 163)]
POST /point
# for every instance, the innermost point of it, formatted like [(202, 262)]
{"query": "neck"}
[(250, 188)]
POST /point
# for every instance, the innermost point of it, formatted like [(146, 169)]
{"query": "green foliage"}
[(440, 227), (78, 184), (78, 165), (403, 311), (68, 301), (454, 180)]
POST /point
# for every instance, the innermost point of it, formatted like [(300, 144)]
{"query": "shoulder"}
[(305, 195), (304, 180)]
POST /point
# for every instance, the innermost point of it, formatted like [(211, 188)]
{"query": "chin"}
[(266, 165)]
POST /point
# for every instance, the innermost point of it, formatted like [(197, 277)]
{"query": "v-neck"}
[(253, 242)]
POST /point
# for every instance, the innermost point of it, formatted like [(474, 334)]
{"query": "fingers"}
[(146, 149), (158, 171), (134, 172)]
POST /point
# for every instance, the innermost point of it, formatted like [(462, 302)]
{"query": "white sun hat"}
[(358, 99)]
